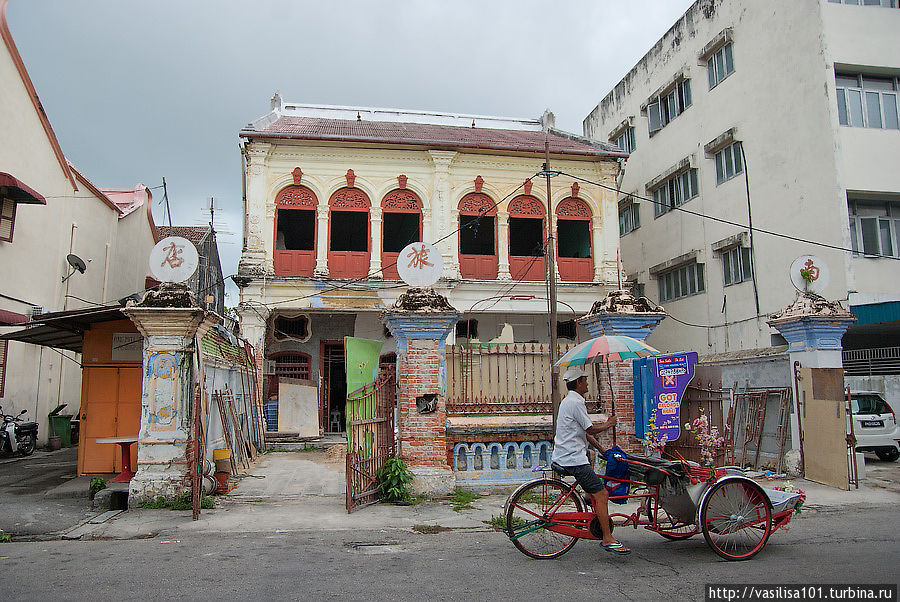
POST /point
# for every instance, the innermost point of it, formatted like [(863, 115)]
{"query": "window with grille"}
[(629, 218), (867, 101), (736, 265), (875, 227), (729, 163), (720, 65), (681, 282), (291, 328), (666, 107), (292, 365), (625, 140), (675, 191)]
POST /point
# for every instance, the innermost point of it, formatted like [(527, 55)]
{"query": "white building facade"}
[(785, 113), (334, 193)]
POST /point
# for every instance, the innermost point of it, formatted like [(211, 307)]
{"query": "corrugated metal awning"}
[(64, 329), (874, 313)]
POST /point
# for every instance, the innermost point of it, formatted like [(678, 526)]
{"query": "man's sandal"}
[(616, 548)]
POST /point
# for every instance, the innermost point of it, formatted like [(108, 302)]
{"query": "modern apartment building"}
[(783, 113)]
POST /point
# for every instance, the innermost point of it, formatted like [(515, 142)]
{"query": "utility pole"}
[(551, 278)]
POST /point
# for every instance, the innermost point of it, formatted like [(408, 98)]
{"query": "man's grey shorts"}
[(583, 473)]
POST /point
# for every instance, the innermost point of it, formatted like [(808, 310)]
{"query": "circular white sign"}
[(173, 259), (810, 274), (419, 264)]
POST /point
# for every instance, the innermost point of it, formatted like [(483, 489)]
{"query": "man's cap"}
[(573, 373)]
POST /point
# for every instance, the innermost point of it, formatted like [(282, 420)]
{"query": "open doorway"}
[(334, 387)]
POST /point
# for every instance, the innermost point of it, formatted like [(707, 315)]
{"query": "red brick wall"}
[(423, 437), (622, 379)]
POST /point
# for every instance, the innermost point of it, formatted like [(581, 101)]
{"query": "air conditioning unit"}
[(269, 367), (37, 310)]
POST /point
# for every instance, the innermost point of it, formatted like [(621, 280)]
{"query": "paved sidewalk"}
[(297, 494)]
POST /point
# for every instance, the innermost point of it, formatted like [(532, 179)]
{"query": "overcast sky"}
[(138, 91)]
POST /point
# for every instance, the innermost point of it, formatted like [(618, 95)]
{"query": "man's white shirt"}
[(572, 422)]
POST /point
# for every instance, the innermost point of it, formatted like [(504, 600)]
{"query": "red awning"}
[(11, 318), (14, 189)]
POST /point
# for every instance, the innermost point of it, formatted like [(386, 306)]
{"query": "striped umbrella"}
[(607, 347)]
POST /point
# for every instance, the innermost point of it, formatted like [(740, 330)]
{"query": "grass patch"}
[(429, 529), (498, 523), (462, 500), (5, 538), (280, 448), (182, 502), (97, 484)]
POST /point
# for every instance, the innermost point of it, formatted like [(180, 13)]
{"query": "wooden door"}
[(824, 421), (110, 407)]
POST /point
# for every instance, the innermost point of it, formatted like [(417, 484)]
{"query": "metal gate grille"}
[(370, 439)]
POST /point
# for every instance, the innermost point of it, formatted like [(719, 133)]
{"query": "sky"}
[(139, 91)]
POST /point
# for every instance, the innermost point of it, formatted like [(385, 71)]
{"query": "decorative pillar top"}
[(621, 313), (812, 323), (421, 313), (171, 310)]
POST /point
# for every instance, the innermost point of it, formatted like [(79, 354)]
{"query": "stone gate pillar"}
[(169, 319), (420, 321), (813, 328)]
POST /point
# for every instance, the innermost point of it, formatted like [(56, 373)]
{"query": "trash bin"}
[(61, 426)]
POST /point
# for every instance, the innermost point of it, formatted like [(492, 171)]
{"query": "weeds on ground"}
[(393, 481), (5, 538), (280, 448), (462, 500), (97, 484), (182, 502)]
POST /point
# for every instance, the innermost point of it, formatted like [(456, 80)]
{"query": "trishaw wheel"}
[(736, 519), (668, 526), (526, 521)]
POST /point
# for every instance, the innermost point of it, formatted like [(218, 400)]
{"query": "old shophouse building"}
[(333, 194)]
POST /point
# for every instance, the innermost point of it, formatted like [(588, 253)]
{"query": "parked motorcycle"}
[(17, 435)]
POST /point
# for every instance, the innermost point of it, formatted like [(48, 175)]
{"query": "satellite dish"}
[(420, 264), (809, 274), (76, 263), (173, 259)]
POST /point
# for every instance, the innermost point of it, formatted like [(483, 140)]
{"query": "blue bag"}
[(618, 468)]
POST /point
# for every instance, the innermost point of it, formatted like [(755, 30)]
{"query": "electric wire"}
[(730, 222)]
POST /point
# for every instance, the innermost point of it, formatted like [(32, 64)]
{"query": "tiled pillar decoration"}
[(421, 336), (169, 320)]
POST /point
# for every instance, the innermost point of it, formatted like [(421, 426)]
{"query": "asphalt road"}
[(857, 545), (25, 510)]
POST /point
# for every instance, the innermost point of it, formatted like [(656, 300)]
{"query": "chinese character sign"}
[(672, 373), (173, 259), (419, 264)]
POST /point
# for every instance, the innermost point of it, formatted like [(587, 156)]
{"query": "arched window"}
[(295, 231), (574, 249), (349, 232), (401, 225), (478, 236), (526, 238)]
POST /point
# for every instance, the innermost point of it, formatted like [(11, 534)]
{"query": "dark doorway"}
[(334, 388), (296, 230), (400, 229), (526, 237), (350, 231), (476, 235), (574, 238)]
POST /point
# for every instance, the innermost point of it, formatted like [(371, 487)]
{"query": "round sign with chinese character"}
[(419, 264), (173, 259), (810, 274)]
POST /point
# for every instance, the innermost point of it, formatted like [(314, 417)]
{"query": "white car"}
[(875, 425)]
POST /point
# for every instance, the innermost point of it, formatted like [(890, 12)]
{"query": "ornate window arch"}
[(349, 233), (296, 230), (478, 236), (574, 249), (401, 225), (526, 205)]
